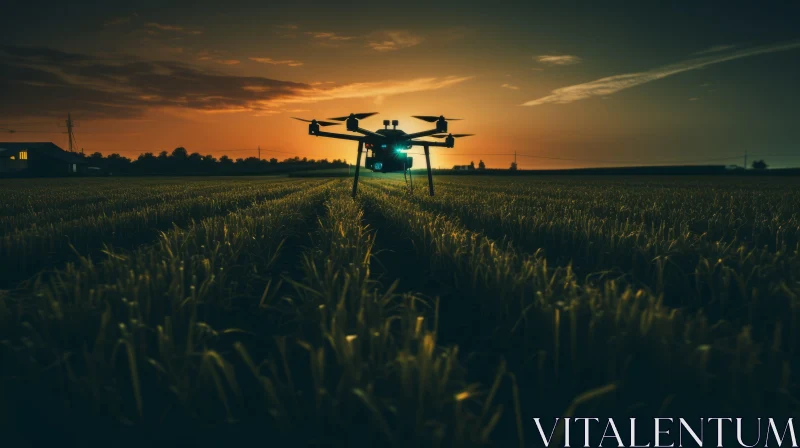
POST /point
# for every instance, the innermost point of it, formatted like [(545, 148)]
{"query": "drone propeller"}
[(360, 116), (451, 135), (321, 123), (431, 118)]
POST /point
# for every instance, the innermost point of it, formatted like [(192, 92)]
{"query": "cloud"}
[(394, 40), (329, 36), (228, 61), (171, 28), (162, 27), (289, 62), (715, 49), (40, 81), (510, 86), (378, 90), (613, 84), (564, 59)]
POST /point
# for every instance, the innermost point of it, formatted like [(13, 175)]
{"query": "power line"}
[(71, 135)]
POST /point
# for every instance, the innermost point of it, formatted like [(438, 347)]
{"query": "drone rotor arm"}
[(369, 133), (423, 134), (426, 143), (339, 136)]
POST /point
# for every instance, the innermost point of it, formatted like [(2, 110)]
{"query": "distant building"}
[(463, 167), (39, 159)]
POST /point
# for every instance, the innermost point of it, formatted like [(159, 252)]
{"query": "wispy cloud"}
[(162, 27), (563, 59), (378, 90), (613, 84), (510, 86), (715, 49), (46, 82), (394, 40), (289, 62), (171, 28), (329, 36), (228, 61)]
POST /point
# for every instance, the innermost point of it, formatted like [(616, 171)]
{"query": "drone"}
[(387, 148)]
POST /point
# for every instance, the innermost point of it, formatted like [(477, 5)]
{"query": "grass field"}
[(209, 310)]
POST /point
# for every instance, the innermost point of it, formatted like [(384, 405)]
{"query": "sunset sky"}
[(564, 86)]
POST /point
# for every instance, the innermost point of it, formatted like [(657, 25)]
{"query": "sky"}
[(579, 85)]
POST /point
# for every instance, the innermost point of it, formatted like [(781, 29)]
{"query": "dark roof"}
[(47, 148)]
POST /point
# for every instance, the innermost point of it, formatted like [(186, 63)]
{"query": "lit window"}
[(23, 155), (13, 158)]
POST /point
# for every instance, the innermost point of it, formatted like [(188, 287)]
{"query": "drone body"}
[(387, 148)]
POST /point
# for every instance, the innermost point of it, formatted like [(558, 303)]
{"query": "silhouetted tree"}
[(181, 162), (513, 166), (481, 165), (180, 153), (471, 165), (96, 159), (116, 164), (147, 162), (759, 165)]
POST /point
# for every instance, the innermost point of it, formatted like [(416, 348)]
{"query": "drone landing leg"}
[(358, 165), (428, 161)]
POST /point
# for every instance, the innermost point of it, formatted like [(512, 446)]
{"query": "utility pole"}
[(745, 159), (70, 133), (259, 152)]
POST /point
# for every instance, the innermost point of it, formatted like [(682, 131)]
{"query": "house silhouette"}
[(38, 159)]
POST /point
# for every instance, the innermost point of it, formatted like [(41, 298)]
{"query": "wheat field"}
[(208, 310)]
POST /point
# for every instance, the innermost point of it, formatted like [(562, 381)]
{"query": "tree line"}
[(180, 161)]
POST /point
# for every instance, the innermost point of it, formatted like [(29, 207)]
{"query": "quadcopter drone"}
[(386, 148)]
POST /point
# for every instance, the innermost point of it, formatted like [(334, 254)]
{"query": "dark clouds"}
[(41, 81), (47, 82)]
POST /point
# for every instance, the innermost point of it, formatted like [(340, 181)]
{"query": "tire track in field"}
[(27, 253), (363, 356)]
